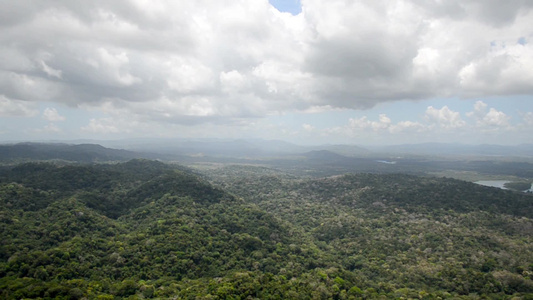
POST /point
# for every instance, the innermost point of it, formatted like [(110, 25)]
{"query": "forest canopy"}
[(145, 229)]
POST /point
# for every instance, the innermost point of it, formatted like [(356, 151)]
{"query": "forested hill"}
[(84, 153), (399, 191), (144, 229)]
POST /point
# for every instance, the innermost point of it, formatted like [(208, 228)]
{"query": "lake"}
[(493, 183)]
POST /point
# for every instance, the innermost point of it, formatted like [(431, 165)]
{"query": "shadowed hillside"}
[(85, 153)]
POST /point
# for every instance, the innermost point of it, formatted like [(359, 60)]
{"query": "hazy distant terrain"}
[(459, 161)]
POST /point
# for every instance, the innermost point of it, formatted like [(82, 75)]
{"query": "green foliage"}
[(144, 229), (518, 185), (87, 153)]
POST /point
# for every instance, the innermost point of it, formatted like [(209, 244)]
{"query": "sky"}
[(308, 72)]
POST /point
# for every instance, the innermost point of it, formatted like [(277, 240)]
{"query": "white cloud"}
[(308, 127), (384, 124), (219, 62), (51, 114), (360, 123), (407, 126), (439, 125), (320, 109), (15, 108), (115, 66), (488, 119), (233, 81), (505, 69), (104, 126), (366, 131), (363, 123), (528, 118), (444, 117), (496, 118), (51, 71), (480, 109), (188, 76)]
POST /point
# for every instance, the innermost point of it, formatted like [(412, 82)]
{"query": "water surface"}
[(493, 183)]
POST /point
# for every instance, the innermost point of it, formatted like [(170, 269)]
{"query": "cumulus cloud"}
[(528, 118), (104, 126), (492, 72), (444, 117), (51, 114), (496, 118), (384, 124), (407, 126), (363, 123), (439, 124), (210, 61), (365, 130), (480, 109), (490, 118)]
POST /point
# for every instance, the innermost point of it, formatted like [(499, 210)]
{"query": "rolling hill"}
[(84, 153), (145, 229)]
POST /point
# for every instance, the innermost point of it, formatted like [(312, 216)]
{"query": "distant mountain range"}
[(259, 148), (443, 149), (248, 149)]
